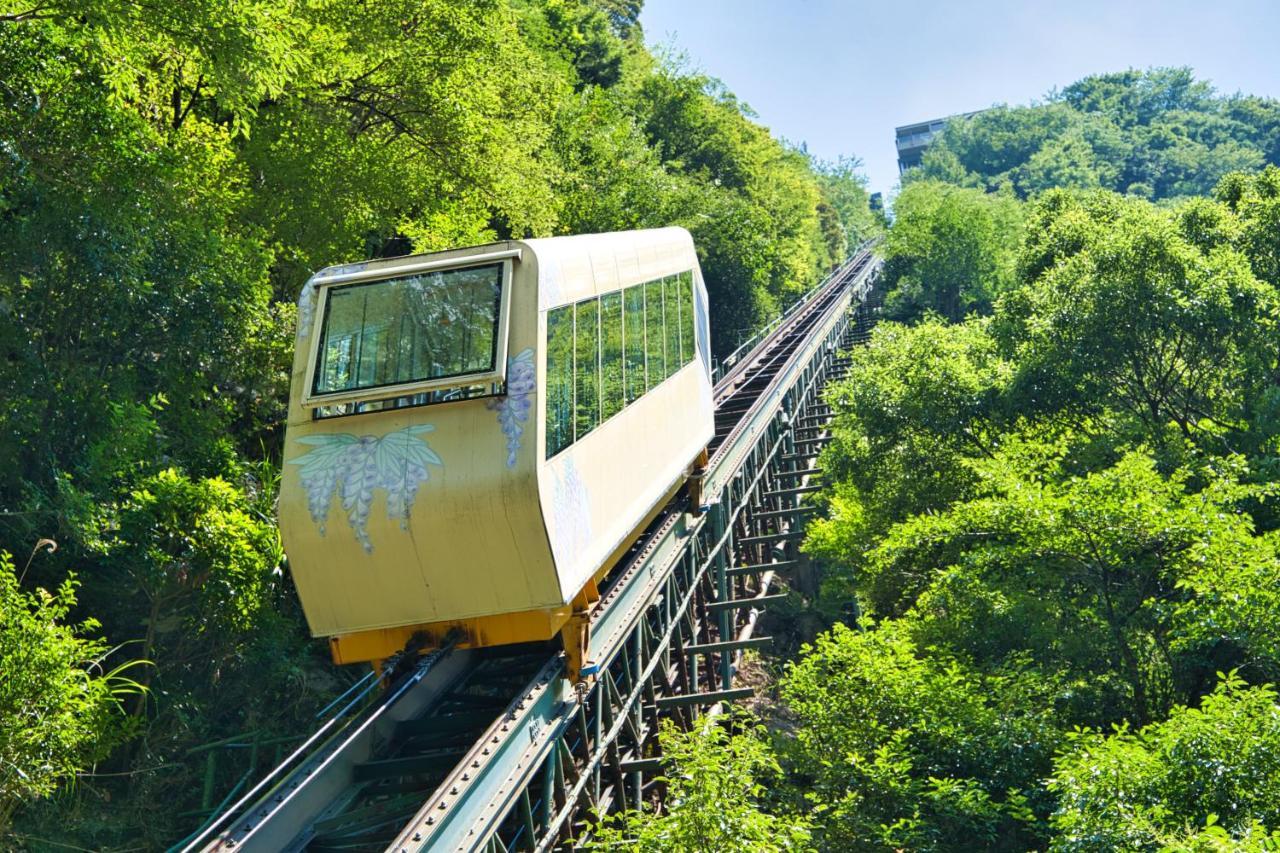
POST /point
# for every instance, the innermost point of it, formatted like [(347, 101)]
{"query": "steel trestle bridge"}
[(493, 749)]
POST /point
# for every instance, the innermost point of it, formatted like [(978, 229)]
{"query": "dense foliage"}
[(1057, 523), (59, 710), (951, 252), (169, 176), (716, 780), (1154, 134)]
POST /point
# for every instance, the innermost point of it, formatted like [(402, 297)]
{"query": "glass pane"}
[(653, 330), (408, 329), (671, 315), (587, 367), (559, 379), (610, 355), (685, 290), (634, 328)]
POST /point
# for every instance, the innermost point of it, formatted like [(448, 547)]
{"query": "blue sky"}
[(841, 75)]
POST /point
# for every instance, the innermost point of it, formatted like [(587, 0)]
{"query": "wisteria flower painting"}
[(571, 508), (398, 462), (513, 409)]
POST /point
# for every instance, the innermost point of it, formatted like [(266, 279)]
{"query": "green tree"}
[(950, 251), (60, 711), (716, 782), (1255, 202), (845, 189), (1215, 766), (897, 747), (1120, 310), (1111, 556), (168, 179), (1159, 133), (918, 401)]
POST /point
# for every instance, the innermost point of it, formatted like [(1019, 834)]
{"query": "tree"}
[(1159, 133), (951, 251), (1255, 202), (845, 190), (1119, 310), (1217, 765), (1109, 556), (716, 782), (171, 175), (899, 747), (918, 401), (60, 711)]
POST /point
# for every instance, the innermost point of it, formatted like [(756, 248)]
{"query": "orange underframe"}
[(500, 629)]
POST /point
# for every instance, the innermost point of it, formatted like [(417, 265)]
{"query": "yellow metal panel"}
[(508, 628)]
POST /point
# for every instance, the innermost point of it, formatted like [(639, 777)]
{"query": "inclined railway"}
[(493, 749)]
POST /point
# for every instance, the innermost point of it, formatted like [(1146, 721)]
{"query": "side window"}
[(685, 289), (671, 321), (611, 398), (605, 353), (656, 336), (586, 367), (634, 345), (559, 379)]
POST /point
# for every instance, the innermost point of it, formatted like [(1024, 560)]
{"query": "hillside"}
[(1154, 134)]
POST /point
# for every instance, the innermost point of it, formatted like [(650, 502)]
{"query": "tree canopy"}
[(1154, 134), (1052, 511)]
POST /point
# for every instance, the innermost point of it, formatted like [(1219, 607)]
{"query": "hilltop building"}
[(913, 139)]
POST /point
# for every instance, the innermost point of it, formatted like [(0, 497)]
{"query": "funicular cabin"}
[(475, 436)]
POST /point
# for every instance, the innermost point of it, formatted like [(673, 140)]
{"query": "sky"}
[(840, 76)]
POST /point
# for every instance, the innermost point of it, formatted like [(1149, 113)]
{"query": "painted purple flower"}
[(513, 409)]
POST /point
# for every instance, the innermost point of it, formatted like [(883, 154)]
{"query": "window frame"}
[(498, 375)]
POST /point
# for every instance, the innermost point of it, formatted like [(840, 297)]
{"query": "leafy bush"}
[(1216, 767), (60, 712), (716, 781), (897, 746)]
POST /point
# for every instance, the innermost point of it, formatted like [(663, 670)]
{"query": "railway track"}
[(491, 749)]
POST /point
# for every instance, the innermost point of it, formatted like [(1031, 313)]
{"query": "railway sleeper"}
[(409, 765)]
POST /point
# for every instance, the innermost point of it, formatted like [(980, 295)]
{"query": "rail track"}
[(492, 749)]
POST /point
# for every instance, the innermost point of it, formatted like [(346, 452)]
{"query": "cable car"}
[(476, 436)]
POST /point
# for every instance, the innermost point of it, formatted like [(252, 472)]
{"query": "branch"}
[(32, 14)]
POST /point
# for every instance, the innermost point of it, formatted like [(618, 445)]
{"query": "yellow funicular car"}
[(475, 436)]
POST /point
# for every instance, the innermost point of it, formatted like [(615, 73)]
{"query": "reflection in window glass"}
[(685, 291), (586, 367), (634, 327), (610, 355), (656, 359), (409, 329), (605, 353), (671, 321), (559, 379)]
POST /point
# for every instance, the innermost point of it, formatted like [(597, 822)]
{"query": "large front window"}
[(413, 329)]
